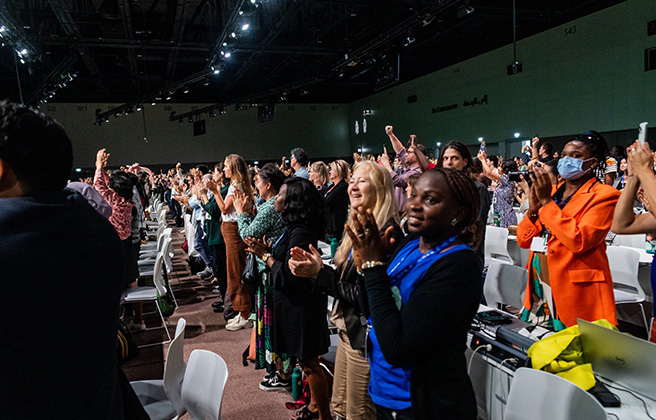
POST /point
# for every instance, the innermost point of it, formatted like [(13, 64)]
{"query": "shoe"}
[(206, 274), (217, 304), (137, 327), (276, 383), (269, 376), (216, 290), (218, 309), (306, 414), (238, 323)]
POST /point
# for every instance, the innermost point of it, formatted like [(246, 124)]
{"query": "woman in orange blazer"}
[(574, 217)]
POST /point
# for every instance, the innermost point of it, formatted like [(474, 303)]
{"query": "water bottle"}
[(297, 384), (334, 244), (496, 219), (650, 244)]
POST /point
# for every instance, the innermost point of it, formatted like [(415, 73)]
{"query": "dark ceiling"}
[(312, 51)]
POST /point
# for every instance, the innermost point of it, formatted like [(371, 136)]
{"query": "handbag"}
[(126, 349), (251, 274)]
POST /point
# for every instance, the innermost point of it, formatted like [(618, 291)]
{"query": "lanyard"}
[(274, 245), (395, 276)]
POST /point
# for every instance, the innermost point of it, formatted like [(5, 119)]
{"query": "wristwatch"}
[(265, 257), (371, 264)]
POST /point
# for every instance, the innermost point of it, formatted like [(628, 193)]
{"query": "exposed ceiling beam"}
[(126, 17), (290, 14), (69, 26), (188, 46), (229, 26), (176, 37)]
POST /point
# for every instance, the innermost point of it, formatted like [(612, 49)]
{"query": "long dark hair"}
[(460, 148), (303, 206)]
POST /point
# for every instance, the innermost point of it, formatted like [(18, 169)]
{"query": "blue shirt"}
[(389, 386), (302, 173)]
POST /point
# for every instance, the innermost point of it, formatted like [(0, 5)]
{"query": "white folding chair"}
[(539, 395), (505, 283), (148, 251), (624, 264), (149, 294), (162, 398), (203, 385), (633, 241), (496, 245)]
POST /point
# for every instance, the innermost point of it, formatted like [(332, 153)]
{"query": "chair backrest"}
[(202, 388), (505, 283), (174, 368), (539, 395), (158, 276), (160, 240), (161, 216), (496, 242), (633, 241), (167, 254), (624, 264)]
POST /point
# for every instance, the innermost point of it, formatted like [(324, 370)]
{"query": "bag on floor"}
[(127, 349), (166, 303)]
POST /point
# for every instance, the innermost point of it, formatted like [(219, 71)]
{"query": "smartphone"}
[(642, 132)]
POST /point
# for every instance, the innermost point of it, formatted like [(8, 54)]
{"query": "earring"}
[(454, 221)]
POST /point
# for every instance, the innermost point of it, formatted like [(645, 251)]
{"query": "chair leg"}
[(163, 326), (161, 316), (644, 318)]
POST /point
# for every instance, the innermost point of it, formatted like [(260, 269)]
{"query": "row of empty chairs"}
[(195, 388), (503, 282)]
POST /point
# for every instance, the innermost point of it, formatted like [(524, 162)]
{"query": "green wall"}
[(586, 74), (320, 129), (592, 78)]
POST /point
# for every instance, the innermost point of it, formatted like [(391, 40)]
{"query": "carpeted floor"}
[(205, 329)]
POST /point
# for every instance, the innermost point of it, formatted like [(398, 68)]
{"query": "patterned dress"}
[(267, 223), (503, 202)]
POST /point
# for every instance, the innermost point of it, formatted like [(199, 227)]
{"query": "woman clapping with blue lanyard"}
[(418, 368)]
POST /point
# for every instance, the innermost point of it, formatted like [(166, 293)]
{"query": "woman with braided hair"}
[(418, 372)]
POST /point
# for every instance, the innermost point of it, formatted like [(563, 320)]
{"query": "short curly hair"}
[(35, 147)]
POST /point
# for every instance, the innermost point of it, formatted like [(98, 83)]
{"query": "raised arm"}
[(625, 221), (100, 181), (396, 144), (534, 147), (422, 159), (487, 171)]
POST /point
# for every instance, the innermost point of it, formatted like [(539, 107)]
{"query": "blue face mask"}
[(572, 168)]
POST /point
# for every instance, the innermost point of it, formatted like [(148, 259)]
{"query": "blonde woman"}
[(236, 169), (336, 199), (319, 176), (370, 187)]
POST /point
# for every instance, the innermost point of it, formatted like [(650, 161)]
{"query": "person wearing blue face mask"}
[(565, 229)]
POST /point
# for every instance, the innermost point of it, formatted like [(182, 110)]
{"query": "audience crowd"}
[(406, 276)]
